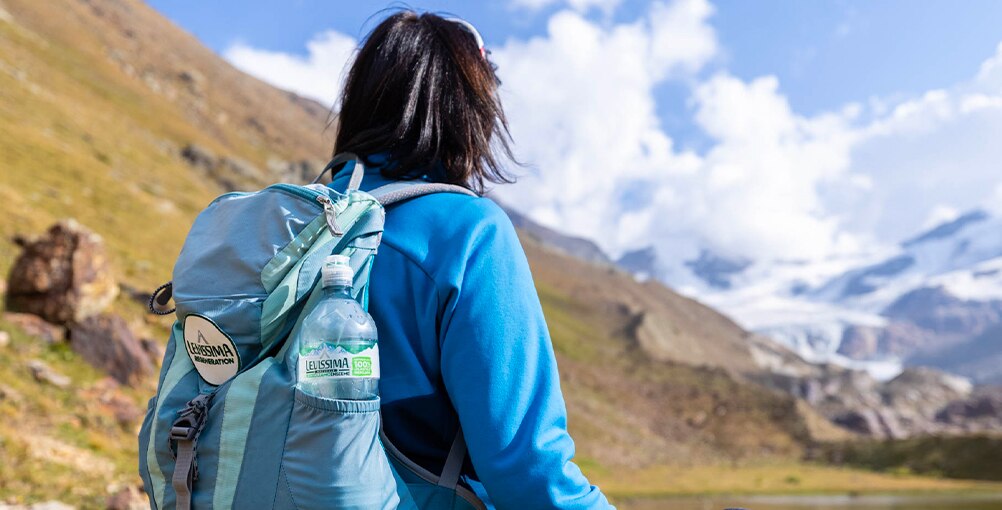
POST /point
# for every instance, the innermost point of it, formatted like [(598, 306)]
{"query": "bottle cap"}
[(337, 271)]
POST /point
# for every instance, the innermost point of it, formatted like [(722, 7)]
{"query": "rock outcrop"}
[(106, 342), (919, 401), (981, 412), (897, 338), (129, 498), (43, 373), (37, 327), (62, 276), (62, 282), (229, 173)]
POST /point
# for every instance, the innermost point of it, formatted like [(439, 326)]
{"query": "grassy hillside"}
[(97, 98), (74, 444), (629, 408)]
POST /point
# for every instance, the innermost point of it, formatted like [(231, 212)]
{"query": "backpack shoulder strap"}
[(400, 191), (387, 195)]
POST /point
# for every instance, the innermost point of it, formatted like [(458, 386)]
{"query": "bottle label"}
[(336, 361)]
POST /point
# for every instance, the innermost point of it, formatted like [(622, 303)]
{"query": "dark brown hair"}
[(421, 90)]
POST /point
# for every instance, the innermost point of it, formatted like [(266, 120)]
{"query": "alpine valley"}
[(117, 127)]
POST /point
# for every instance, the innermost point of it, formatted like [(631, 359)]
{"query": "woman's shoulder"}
[(452, 214), (445, 228)]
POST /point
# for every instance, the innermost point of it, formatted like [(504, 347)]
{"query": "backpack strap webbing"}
[(450, 471), (357, 172), (400, 191), (454, 462)]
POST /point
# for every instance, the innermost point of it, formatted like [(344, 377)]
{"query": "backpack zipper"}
[(312, 195), (330, 214)]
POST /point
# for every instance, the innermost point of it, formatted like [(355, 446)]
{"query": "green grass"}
[(772, 478), (61, 443), (572, 330), (977, 457), (80, 139)]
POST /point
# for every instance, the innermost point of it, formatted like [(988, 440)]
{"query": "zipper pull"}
[(330, 214)]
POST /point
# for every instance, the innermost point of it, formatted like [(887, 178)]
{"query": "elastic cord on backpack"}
[(160, 298)]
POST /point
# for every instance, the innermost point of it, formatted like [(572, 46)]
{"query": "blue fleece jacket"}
[(463, 340)]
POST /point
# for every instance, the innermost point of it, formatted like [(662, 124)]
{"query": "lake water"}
[(822, 502)]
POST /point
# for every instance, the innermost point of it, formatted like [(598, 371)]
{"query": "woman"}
[(462, 334)]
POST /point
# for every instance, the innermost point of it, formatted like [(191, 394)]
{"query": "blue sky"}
[(767, 129), (825, 53)]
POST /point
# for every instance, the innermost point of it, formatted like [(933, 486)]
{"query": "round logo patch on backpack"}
[(211, 351)]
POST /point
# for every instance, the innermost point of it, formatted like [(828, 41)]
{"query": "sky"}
[(767, 130)]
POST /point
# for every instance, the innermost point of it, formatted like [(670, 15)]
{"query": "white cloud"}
[(582, 106), (583, 114), (680, 34), (582, 102), (757, 190), (935, 151), (774, 184), (318, 75)]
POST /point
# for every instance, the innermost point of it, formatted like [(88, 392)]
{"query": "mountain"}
[(978, 358), (642, 263), (932, 293), (940, 292), (646, 318)]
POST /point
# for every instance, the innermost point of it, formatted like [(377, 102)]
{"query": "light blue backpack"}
[(228, 428)]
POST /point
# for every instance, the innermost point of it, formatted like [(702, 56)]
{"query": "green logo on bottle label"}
[(361, 366)]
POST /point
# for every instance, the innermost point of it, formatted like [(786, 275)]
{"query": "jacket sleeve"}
[(500, 372)]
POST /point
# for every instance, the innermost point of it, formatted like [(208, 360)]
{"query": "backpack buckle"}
[(189, 423), (182, 433)]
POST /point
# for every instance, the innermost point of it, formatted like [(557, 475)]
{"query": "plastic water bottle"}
[(338, 345)]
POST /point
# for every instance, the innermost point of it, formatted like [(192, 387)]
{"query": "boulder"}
[(106, 342), (154, 350), (129, 498), (10, 395), (62, 276), (199, 157), (110, 399), (36, 327), (45, 374), (4, 339)]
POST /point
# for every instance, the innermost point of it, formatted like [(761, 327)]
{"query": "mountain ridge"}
[(934, 291)]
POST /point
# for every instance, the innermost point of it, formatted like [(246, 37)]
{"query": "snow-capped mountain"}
[(935, 291)]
